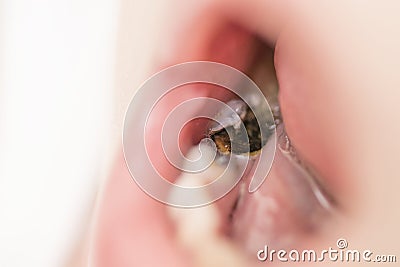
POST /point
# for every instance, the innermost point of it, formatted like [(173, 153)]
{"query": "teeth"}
[(195, 225), (199, 230)]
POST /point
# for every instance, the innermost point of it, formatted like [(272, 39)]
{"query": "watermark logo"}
[(142, 107), (341, 243), (339, 254)]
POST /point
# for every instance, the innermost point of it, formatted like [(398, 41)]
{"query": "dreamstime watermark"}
[(142, 108), (339, 254)]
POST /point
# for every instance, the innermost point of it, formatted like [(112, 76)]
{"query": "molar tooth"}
[(198, 230), (195, 224)]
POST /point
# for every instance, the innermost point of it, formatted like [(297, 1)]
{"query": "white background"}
[(56, 78)]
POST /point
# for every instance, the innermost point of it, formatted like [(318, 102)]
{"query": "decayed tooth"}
[(198, 229)]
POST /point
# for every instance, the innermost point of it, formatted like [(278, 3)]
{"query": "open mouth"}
[(292, 206), (289, 210)]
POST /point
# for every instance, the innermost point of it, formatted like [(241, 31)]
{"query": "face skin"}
[(337, 67)]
